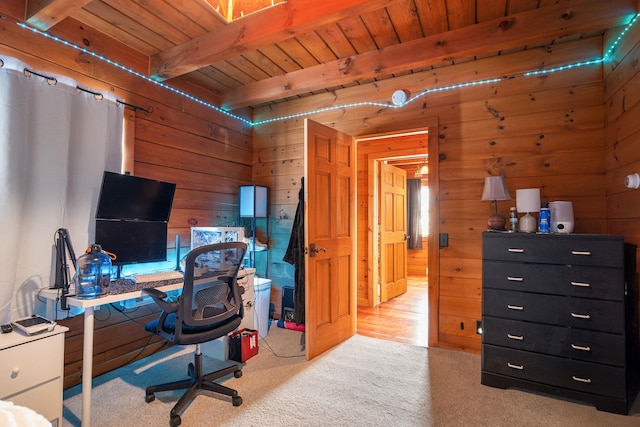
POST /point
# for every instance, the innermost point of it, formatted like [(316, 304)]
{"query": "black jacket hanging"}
[(295, 256)]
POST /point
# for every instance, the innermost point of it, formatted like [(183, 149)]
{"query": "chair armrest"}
[(159, 298), (155, 293)]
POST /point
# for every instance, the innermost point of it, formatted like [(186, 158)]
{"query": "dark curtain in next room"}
[(414, 188)]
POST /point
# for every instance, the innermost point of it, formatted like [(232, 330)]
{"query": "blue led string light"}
[(609, 51), (375, 104), (135, 73), (607, 54), (563, 67)]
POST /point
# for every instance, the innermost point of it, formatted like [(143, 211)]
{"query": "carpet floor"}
[(361, 382)]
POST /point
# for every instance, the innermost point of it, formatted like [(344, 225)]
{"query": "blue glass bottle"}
[(545, 219), (94, 273)]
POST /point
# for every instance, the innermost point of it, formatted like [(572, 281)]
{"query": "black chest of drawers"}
[(559, 316)]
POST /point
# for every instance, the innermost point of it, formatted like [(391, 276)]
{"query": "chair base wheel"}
[(149, 397), (175, 421), (237, 373), (236, 400)]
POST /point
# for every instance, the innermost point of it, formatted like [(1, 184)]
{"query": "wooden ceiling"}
[(303, 47)]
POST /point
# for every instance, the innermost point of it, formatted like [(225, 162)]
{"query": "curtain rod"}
[(135, 107), (51, 80), (97, 95)]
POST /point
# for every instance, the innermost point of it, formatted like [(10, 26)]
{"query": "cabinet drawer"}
[(594, 250), (580, 281), (45, 399), (577, 344), (571, 374), (28, 365), (605, 316)]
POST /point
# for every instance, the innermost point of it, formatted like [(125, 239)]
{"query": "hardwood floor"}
[(402, 319)]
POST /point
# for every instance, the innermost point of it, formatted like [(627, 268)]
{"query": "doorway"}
[(404, 318)]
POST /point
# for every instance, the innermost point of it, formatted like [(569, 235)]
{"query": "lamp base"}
[(496, 222), (528, 224)]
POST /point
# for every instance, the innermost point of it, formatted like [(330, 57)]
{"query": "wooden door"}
[(330, 236), (393, 231)]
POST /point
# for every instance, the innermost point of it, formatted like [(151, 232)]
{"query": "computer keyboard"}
[(160, 276)]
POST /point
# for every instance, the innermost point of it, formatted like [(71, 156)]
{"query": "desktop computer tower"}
[(288, 298)]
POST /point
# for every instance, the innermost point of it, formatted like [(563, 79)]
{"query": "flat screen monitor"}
[(133, 241), (134, 198)]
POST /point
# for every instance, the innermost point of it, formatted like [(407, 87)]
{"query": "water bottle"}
[(545, 219), (513, 219), (94, 273)]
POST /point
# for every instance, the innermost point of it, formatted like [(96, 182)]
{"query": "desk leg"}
[(87, 366)]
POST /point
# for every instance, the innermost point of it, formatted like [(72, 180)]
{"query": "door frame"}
[(433, 278), (374, 161)]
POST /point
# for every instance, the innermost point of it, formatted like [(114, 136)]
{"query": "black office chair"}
[(210, 307)]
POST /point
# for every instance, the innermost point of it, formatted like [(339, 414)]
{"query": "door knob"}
[(313, 250)]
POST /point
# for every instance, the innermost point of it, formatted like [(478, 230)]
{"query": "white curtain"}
[(55, 143)]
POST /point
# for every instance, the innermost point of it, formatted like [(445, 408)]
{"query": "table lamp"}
[(494, 190), (527, 201)]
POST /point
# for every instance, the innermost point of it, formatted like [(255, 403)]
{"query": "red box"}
[(243, 345)]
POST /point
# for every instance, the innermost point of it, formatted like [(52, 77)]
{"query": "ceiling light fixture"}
[(399, 97), (422, 169)]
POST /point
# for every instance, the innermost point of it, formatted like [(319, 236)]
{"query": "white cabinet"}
[(246, 282), (219, 348), (31, 371)]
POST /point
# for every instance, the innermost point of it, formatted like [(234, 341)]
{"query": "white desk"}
[(89, 306)]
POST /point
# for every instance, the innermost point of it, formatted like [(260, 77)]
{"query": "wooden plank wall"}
[(417, 260), (207, 154), (545, 131), (119, 339), (622, 135)]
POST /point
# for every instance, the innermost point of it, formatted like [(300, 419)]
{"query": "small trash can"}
[(262, 298)]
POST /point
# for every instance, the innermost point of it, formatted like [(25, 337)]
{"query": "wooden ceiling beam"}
[(272, 25), (44, 14), (535, 26)]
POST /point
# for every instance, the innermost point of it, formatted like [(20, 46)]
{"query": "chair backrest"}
[(211, 295)]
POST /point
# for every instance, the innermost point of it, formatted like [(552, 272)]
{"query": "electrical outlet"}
[(444, 240)]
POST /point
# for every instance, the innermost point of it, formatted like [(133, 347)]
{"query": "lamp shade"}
[(495, 189), (528, 200), (252, 201)]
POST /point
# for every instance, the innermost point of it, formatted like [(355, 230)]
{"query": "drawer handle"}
[(580, 347), (516, 307), (515, 279), (581, 284), (580, 316), (582, 380), (518, 367), (516, 250), (587, 253), (515, 337)]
